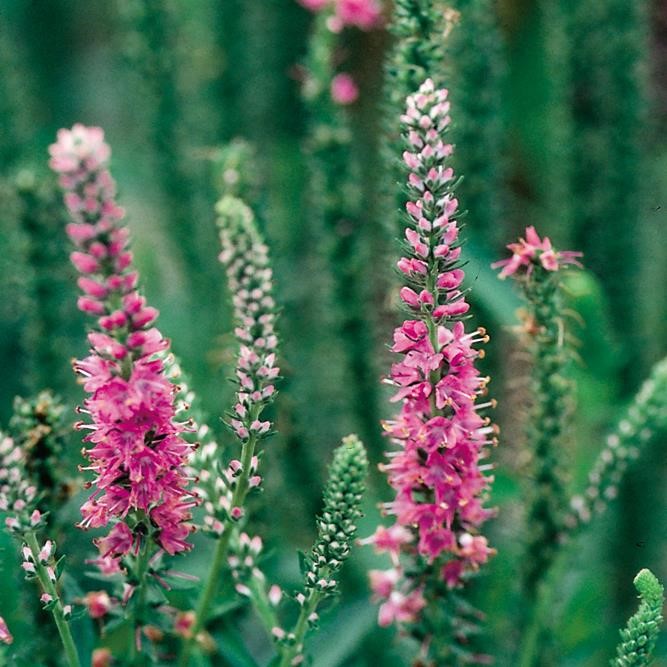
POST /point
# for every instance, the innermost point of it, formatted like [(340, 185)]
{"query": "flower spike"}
[(439, 435)]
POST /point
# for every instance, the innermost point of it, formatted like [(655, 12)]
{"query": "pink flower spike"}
[(438, 438)]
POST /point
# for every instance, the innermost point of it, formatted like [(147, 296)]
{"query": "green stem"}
[(294, 648), (262, 606), (49, 587), (136, 616), (211, 588)]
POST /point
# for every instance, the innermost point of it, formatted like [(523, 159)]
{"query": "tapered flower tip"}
[(648, 586), (79, 147), (531, 252), (5, 635)]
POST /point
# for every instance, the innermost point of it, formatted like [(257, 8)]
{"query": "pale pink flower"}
[(401, 608), (98, 603), (533, 251)]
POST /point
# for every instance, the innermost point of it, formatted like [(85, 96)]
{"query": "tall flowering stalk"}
[(19, 499), (137, 453), (249, 280), (439, 435), (536, 264)]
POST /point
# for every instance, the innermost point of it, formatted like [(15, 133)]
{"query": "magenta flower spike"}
[(439, 436), (136, 450)]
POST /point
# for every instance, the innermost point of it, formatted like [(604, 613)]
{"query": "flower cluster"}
[(137, 450), (249, 280), (18, 496), (533, 251), (439, 433), (363, 14)]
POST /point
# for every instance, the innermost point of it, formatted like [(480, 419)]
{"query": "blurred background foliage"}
[(560, 119)]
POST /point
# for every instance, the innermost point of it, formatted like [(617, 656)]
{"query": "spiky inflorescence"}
[(336, 528), (18, 496), (645, 417), (138, 453), (249, 280), (639, 637), (439, 434), (39, 427), (536, 264), (419, 29)]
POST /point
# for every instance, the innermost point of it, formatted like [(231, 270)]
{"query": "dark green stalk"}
[(639, 637), (334, 205), (546, 426), (610, 62), (475, 60)]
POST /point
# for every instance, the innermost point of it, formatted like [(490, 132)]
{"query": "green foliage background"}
[(560, 123)]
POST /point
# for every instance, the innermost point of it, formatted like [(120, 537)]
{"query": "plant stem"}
[(49, 587), (295, 648), (211, 588), (262, 605), (138, 607)]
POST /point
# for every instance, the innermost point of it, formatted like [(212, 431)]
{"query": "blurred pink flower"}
[(344, 89), (364, 14)]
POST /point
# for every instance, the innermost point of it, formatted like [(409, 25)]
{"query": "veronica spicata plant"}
[(249, 279), (136, 449), (439, 435), (537, 266)]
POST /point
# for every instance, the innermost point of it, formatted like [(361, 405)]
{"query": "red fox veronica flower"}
[(533, 251), (439, 434), (136, 450)]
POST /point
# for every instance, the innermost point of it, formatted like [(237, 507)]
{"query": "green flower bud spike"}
[(640, 635), (336, 528)]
